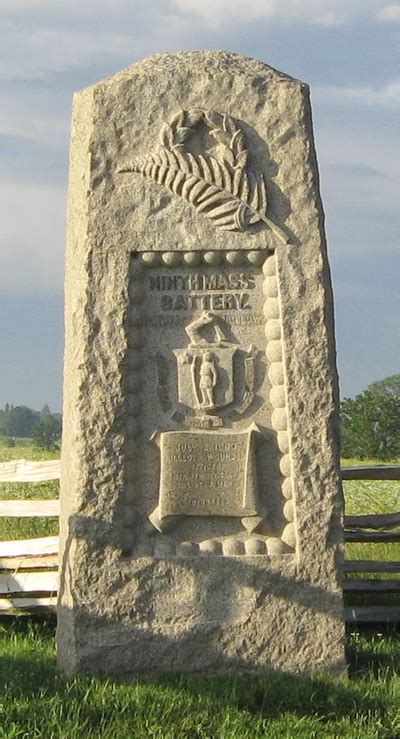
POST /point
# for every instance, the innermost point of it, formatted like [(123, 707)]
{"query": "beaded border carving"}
[(267, 261)]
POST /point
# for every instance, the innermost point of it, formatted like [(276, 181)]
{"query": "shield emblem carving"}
[(205, 376)]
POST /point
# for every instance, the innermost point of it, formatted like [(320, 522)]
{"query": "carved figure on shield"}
[(205, 367), (208, 380)]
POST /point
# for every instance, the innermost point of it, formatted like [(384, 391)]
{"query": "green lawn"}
[(372, 496), (36, 702), (23, 449)]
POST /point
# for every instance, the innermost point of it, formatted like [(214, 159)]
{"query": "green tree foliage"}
[(46, 432), (389, 386), (370, 423), (18, 421)]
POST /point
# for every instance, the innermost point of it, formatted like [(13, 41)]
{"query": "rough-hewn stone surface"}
[(140, 592)]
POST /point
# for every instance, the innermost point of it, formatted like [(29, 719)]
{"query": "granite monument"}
[(200, 496)]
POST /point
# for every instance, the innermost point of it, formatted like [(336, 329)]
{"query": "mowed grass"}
[(24, 449), (35, 701), (367, 497)]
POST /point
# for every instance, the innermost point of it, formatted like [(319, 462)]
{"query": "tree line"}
[(43, 427), (370, 422)]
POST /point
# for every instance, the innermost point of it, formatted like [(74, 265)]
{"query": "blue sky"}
[(349, 53)]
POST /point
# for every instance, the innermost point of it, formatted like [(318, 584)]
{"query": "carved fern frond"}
[(219, 187), (228, 196)]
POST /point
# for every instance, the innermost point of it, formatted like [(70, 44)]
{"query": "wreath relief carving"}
[(220, 185)]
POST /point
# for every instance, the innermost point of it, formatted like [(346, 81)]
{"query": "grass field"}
[(36, 702), (371, 496), (24, 450)]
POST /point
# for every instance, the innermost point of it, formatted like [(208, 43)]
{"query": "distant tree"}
[(46, 432), (388, 386), (7, 407), (45, 410), (370, 423), (18, 421)]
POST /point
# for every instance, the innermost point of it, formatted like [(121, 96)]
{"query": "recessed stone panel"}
[(204, 368)]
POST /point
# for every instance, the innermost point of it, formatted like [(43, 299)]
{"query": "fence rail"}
[(28, 568), (29, 508), (22, 470), (373, 528), (372, 472)]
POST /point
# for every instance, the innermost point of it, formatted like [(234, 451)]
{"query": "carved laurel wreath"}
[(219, 187)]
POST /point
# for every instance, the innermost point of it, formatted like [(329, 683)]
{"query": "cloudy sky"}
[(347, 50)]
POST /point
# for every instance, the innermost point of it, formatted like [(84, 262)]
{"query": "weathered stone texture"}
[(141, 592)]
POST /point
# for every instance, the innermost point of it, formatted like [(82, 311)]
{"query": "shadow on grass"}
[(28, 671), (371, 652), (27, 654)]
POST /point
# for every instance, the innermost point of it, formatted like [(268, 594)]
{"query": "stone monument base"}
[(208, 614)]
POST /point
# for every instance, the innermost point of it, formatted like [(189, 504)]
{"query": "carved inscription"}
[(207, 474), (229, 291), (175, 321)]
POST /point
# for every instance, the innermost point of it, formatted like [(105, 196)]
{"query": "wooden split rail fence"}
[(374, 528), (28, 568)]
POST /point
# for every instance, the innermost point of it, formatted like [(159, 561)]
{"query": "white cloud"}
[(44, 37), (39, 115), (361, 190), (90, 9), (32, 238), (49, 38), (319, 12), (373, 158), (327, 19), (387, 96), (48, 51), (390, 13)]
